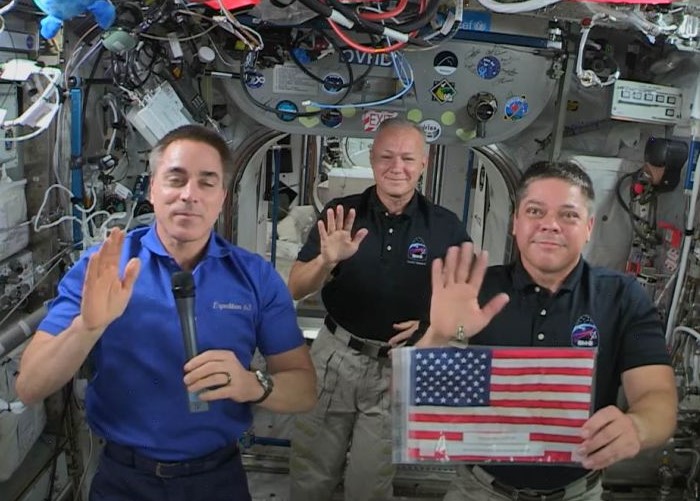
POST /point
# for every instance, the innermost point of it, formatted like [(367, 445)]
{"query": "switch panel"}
[(644, 102)]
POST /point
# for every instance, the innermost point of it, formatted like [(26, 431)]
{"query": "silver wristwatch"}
[(267, 384)]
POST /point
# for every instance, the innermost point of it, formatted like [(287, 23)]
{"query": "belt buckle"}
[(371, 350), (159, 470), (530, 495)]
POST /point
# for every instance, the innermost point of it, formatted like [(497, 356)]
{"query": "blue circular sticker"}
[(516, 108), (331, 118), (488, 67), (254, 80), (286, 110), (333, 83)]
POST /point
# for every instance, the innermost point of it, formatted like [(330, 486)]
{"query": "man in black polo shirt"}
[(551, 297), (371, 253)]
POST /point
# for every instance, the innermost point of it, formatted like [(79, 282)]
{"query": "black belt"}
[(540, 495), (369, 349), (163, 469)]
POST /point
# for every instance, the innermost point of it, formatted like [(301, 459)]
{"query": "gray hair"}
[(403, 123)]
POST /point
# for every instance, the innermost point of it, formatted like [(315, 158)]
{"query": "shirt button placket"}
[(390, 231)]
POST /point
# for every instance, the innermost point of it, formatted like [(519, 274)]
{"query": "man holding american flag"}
[(551, 297)]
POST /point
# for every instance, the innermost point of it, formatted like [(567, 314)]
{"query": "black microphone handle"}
[(185, 310)]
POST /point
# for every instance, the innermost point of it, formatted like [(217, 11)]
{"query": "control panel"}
[(462, 92), (16, 280), (644, 102)]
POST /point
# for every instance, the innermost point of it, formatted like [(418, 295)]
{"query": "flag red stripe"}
[(549, 437), (541, 404), (435, 435), (550, 371), (449, 418), (545, 353), (546, 387), (458, 436), (548, 457)]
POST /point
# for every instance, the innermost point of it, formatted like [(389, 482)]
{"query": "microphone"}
[(183, 290)]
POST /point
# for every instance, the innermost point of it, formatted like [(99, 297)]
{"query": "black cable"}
[(378, 29), (621, 200), (135, 57), (297, 114), (68, 390), (351, 77), (635, 219), (93, 71), (423, 19)]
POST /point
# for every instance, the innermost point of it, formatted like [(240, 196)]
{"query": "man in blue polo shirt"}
[(543, 299), (116, 306)]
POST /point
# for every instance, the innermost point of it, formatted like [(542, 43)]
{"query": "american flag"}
[(481, 404)]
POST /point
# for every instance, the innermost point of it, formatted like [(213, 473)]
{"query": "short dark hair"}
[(200, 134), (570, 172)]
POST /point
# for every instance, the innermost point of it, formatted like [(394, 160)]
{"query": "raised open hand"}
[(337, 241), (105, 293), (454, 304)]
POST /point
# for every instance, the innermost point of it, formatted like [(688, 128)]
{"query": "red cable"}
[(379, 16), (362, 48), (373, 50)]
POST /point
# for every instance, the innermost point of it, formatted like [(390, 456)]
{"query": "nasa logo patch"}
[(585, 333), (418, 252)]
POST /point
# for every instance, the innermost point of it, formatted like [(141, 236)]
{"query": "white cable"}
[(588, 78), (632, 18), (689, 350), (514, 8), (36, 115), (186, 39), (689, 331), (91, 52), (404, 73), (236, 27), (7, 8), (37, 281), (60, 187), (78, 48)]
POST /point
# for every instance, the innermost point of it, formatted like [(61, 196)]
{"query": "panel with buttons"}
[(644, 102)]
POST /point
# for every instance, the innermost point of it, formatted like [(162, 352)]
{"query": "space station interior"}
[(298, 89)]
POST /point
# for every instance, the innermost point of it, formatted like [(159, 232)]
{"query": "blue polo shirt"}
[(136, 396)]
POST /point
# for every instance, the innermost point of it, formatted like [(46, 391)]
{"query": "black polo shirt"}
[(388, 280), (594, 307)]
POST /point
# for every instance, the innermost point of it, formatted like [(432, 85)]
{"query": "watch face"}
[(265, 380)]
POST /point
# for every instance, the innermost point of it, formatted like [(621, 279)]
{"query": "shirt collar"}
[(522, 279), (215, 245), (378, 207)]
